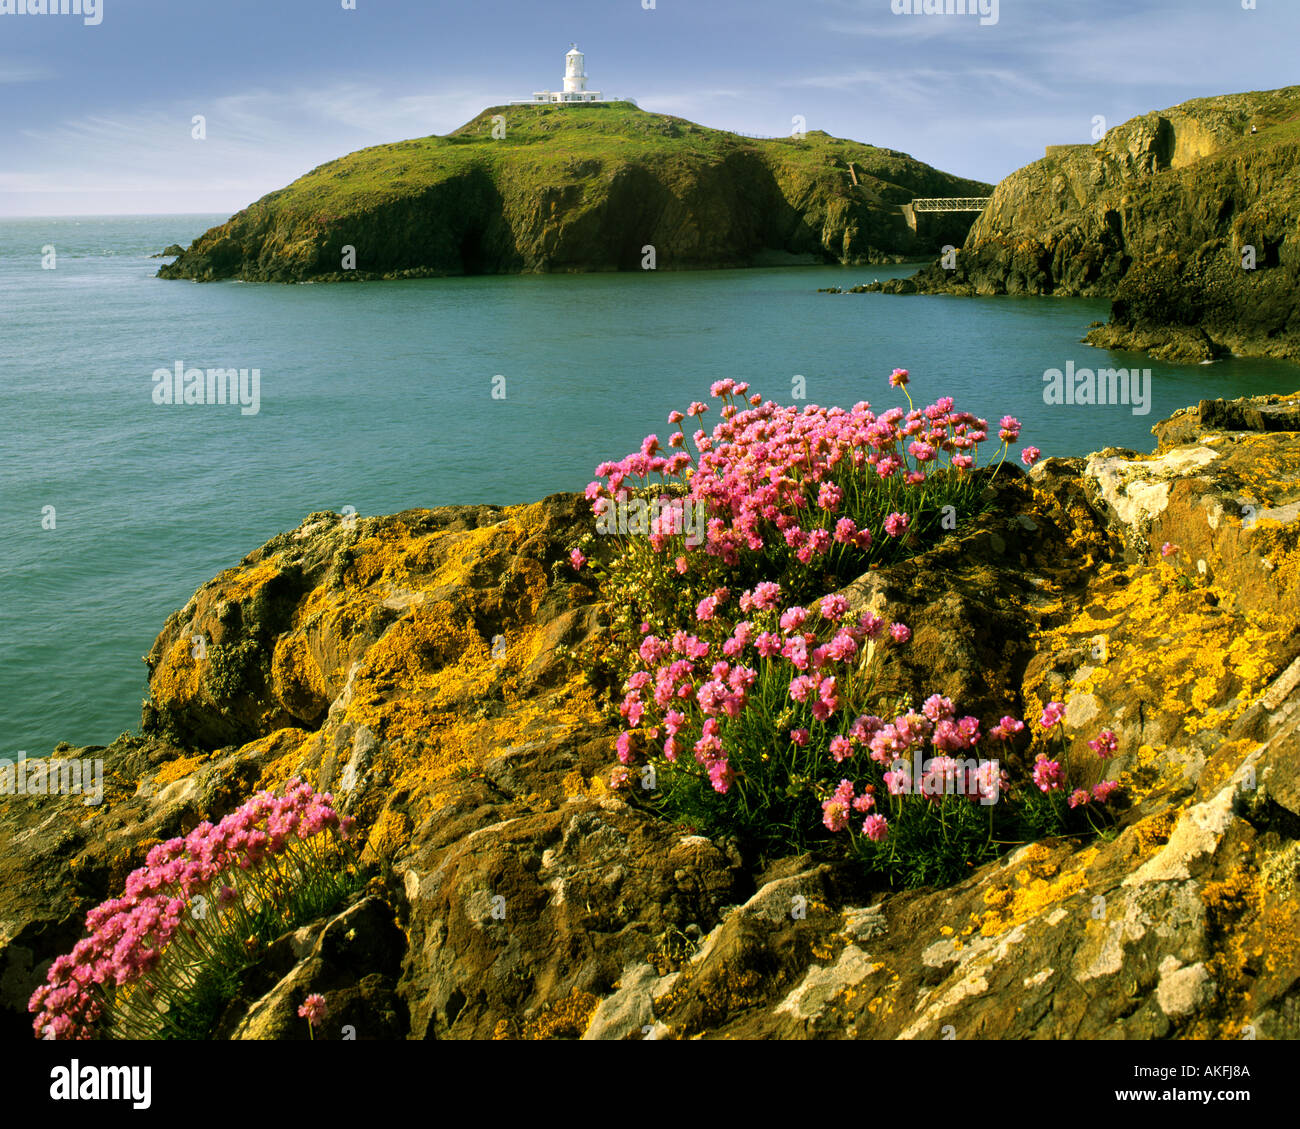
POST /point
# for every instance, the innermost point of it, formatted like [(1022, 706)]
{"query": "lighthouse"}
[(575, 75), (575, 85)]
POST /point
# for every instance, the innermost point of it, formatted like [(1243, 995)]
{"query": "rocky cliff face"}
[(1184, 217), (580, 189), (420, 667)]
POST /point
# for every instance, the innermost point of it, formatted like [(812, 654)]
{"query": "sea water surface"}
[(379, 396)]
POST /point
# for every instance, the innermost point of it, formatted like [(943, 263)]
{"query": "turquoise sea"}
[(379, 396)]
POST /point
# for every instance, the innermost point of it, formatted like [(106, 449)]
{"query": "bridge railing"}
[(952, 204)]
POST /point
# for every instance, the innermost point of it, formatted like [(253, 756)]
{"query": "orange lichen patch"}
[(287, 746), (294, 672), (575, 784), (178, 769), (1280, 546), (430, 637), (1037, 888), (425, 747), (566, 1019), (1154, 831), (1226, 759), (1257, 938), (1172, 650), (389, 835), (177, 677), (1151, 770), (239, 584)]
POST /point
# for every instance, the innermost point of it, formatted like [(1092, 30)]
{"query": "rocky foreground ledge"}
[(364, 656)]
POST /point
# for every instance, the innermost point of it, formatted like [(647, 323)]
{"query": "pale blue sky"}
[(97, 119)]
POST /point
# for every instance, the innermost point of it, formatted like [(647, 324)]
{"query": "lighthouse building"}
[(575, 84)]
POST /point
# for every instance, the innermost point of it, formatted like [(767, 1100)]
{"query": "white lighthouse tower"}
[(575, 84), (575, 75)]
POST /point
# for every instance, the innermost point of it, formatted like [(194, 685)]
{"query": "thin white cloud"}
[(12, 73)]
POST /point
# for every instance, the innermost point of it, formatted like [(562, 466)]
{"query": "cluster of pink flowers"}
[(129, 935), (691, 685), (774, 477), (1049, 775)]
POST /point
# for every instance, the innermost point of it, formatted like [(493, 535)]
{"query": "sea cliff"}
[(1185, 217)]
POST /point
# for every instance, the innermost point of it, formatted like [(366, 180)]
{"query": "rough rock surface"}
[(1183, 217), (511, 895)]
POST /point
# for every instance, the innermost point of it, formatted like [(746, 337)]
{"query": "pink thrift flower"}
[(833, 607), (898, 378), (1052, 715), (875, 828), (721, 776), (901, 633), (841, 749), (799, 737), (1030, 455), (314, 1009), (1103, 791), (835, 815), (1007, 728), (1079, 797), (793, 619), (1048, 774), (1105, 744), (865, 802), (1168, 549), (938, 708), (896, 524), (830, 496)]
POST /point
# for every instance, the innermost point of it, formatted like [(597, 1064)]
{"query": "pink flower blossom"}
[(314, 1009), (841, 749), (896, 524), (1007, 728), (1048, 774), (1105, 744), (1103, 791), (876, 828)]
